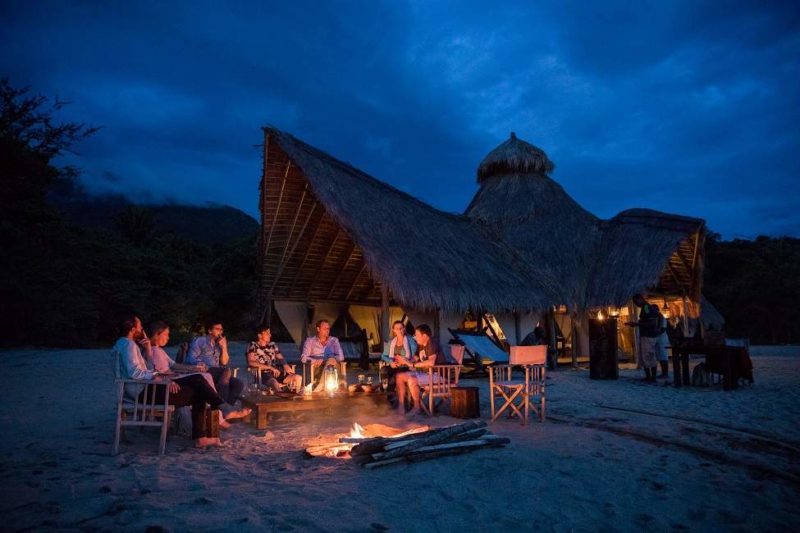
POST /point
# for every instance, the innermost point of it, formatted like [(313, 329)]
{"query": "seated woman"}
[(191, 390), (265, 356), (164, 364), (397, 359), (428, 353)]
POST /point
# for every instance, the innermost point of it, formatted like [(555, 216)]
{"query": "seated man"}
[(264, 355), (212, 350), (193, 390), (321, 350), (428, 353)]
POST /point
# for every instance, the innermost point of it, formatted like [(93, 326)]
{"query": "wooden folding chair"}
[(520, 396), (146, 412), (441, 378)]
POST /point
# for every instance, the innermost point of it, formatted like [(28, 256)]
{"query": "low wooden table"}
[(263, 405)]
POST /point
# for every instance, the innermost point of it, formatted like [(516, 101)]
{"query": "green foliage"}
[(65, 284), (756, 286)]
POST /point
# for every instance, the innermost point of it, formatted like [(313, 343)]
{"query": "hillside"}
[(209, 225)]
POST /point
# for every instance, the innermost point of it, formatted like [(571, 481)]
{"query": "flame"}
[(357, 431), (600, 315)]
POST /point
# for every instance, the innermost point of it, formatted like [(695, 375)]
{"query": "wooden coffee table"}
[(263, 405)]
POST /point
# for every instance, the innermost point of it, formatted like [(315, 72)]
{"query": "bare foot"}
[(224, 424), (205, 442), (241, 413)]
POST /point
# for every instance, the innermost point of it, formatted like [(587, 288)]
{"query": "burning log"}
[(439, 450), (390, 445), (431, 444)]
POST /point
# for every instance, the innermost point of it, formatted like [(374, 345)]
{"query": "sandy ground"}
[(613, 455)]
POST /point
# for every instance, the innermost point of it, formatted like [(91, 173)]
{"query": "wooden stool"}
[(465, 402), (212, 423)]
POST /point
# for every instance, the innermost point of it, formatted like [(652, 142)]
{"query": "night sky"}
[(685, 107)]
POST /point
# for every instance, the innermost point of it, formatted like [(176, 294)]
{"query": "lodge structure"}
[(338, 244)]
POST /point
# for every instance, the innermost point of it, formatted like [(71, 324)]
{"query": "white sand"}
[(591, 466)]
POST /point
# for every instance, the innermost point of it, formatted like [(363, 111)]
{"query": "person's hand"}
[(331, 362), (201, 367), (174, 388), (275, 371), (223, 343)]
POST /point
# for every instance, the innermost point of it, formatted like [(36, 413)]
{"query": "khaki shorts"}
[(647, 351)]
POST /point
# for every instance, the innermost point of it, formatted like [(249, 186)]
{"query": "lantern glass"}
[(331, 377)]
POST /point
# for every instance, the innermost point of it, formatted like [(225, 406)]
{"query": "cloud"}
[(683, 106)]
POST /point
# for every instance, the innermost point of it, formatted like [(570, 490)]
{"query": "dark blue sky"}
[(686, 107)]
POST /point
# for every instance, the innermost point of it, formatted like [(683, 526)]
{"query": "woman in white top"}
[(164, 364)]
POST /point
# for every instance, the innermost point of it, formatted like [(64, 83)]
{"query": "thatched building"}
[(335, 238)]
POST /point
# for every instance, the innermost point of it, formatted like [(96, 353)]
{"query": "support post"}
[(437, 320), (305, 325), (685, 318), (385, 329), (552, 340), (517, 336)]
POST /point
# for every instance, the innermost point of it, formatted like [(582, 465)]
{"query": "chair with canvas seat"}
[(519, 396), (143, 411), (436, 386)]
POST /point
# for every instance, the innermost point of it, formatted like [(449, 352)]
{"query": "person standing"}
[(212, 350), (649, 333)]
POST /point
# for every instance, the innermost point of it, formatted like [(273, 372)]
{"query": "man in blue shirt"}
[(321, 350), (212, 350)]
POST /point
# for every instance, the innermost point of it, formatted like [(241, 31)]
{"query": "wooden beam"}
[(294, 222), (308, 251), (675, 275), (296, 242), (277, 209), (324, 261), (355, 281), (341, 272)]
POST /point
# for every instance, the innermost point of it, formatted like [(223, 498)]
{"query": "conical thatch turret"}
[(520, 204), (514, 157)]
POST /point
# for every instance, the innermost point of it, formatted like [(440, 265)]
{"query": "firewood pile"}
[(422, 446)]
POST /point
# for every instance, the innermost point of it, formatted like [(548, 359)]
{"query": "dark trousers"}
[(229, 387), (195, 391)]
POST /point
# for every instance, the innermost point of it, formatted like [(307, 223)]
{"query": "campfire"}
[(378, 445)]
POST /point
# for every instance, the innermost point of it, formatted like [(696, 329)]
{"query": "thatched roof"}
[(332, 232), (514, 156), (643, 249), (535, 216), (596, 262)]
